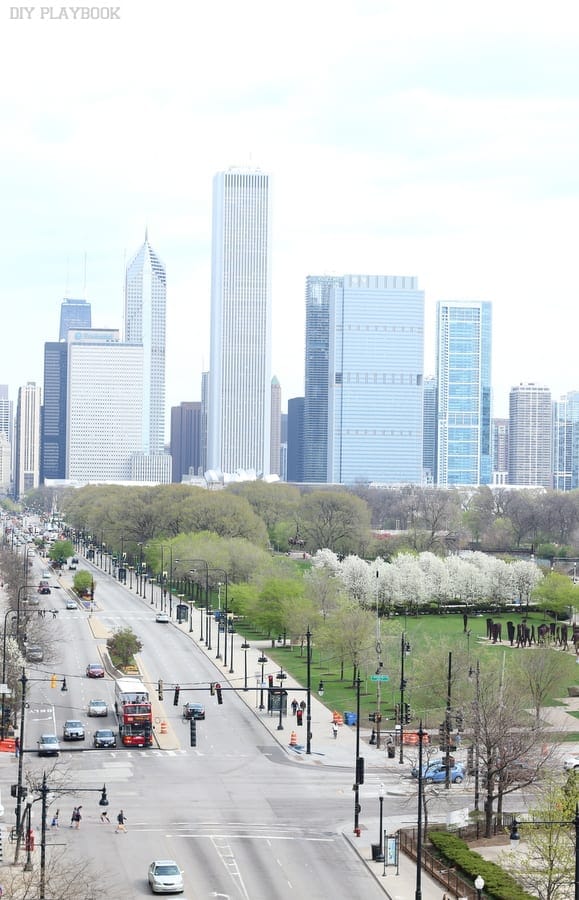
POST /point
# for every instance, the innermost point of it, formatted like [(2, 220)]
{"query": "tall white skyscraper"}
[(27, 456), (105, 387), (240, 366), (531, 435), (145, 321)]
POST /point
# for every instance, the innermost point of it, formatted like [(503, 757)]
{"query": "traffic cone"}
[(293, 739)]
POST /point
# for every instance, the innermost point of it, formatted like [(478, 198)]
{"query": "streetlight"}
[(515, 838), (479, 884), (2, 723), (245, 648), (280, 676), (418, 892), (262, 660), (231, 632), (381, 795)]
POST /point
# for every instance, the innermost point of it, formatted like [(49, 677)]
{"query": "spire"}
[(146, 234)]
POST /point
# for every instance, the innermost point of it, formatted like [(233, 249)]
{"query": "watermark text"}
[(65, 12)]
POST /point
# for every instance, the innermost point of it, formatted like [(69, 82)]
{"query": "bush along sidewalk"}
[(499, 885)]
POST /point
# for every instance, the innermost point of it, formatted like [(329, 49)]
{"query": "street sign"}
[(379, 677)]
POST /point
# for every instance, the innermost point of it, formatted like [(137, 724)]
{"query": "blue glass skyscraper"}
[(463, 360)]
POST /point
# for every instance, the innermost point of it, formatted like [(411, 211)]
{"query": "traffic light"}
[(212, 688), (397, 712), (193, 732), (270, 680), (160, 688), (360, 770), (176, 695), (407, 713), (372, 717), (403, 683), (459, 720), (218, 692), (53, 681)]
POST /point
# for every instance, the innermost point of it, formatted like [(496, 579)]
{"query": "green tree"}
[(556, 593), (336, 520), (61, 551), (83, 582), (123, 645)]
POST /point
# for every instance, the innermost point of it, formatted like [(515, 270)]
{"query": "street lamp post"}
[(232, 633), (515, 838), (418, 892), (2, 723), (281, 675), (245, 648), (381, 795), (479, 884), (262, 660)]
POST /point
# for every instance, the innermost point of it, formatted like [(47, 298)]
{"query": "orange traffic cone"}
[(293, 739), (163, 728)]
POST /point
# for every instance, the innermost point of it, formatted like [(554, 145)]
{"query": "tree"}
[(123, 645), (83, 583), (336, 520), (556, 593), (66, 878), (540, 671), (61, 551)]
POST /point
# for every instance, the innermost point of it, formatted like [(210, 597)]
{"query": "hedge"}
[(498, 883)]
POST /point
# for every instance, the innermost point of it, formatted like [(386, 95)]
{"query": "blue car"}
[(435, 772)]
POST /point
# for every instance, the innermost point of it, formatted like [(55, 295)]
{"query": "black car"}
[(104, 737), (193, 711)]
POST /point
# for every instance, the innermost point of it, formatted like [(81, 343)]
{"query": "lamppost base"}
[(27, 867), (280, 727)]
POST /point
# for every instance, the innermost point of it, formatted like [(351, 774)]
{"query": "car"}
[(46, 575), (44, 589), (48, 745), (104, 737), (73, 730), (435, 772), (95, 670), (34, 653), (165, 877), (162, 617), (71, 604), (571, 764), (72, 567), (193, 711), (98, 708)]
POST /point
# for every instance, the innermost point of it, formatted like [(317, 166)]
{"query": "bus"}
[(133, 708)]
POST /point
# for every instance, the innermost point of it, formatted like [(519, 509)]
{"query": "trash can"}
[(350, 718), (391, 751), (377, 855)]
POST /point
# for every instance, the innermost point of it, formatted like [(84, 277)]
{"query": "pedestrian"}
[(105, 817), (54, 822), (17, 747), (294, 706), (121, 819), (303, 706), (76, 817), (335, 730)]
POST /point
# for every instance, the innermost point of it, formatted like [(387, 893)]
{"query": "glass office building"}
[(463, 376)]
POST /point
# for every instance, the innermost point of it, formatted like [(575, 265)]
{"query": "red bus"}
[(133, 707)]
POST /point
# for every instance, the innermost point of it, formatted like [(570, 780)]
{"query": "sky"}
[(439, 140)]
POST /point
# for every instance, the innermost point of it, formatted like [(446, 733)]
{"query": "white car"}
[(162, 617), (48, 745), (71, 604), (571, 764), (98, 708), (165, 877)]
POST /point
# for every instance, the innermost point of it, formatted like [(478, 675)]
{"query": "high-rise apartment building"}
[(5, 440), (27, 454), (186, 439), (275, 435), (429, 431), (73, 314), (239, 416), (531, 436), (295, 440), (104, 407), (364, 390), (53, 427), (566, 443), (500, 451), (463, 376), (145, 322), (5, 413)]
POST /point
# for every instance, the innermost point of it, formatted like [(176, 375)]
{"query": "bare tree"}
[(539, 670)]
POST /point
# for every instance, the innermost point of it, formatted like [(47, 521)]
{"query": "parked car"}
[(34, 653), (98, 708), (104, 737), (571, 764), (165, 877), (95, 670), (162, 617), (193, 711), (73, 730), (435, 772), (48, 745)]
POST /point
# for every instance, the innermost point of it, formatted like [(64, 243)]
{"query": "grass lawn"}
[(431, 639)]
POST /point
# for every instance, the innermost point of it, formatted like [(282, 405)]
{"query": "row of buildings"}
[(368, 413)]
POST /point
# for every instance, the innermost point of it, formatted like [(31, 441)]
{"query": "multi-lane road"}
[(241, 819)]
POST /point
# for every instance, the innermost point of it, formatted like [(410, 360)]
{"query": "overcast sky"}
[(404, 138)]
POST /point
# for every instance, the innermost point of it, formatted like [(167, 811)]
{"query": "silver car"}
[(48, 745), (165, 877), (98, 708)]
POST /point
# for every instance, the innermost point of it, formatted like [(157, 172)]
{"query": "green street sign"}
[(379, 677)]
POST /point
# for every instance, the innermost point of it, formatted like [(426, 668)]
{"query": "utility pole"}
[(447, 724)]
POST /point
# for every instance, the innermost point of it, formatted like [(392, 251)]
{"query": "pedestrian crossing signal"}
[(53, 681), (218, 692), (176, 695), (193, 732)]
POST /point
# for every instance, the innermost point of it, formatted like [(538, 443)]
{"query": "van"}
[(34, 653)]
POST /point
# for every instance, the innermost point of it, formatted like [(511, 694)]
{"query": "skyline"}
[(438, 143)]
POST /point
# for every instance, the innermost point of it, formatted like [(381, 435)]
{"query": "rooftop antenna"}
[(84, 278), (67, 285)]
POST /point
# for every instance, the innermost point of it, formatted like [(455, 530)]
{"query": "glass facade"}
[(73, 314), (464, 432), (53, 445)]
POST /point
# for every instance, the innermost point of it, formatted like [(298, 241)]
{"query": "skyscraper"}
[(186, 439), (145, 320), (364, 359), (73, 314), (500, 451), (27, 455), (463, 360), (104, 412), (275, 459), (53, 452), (295, 440), (240, 364), (5, 440), (429, 431), (531, 435), (566, 443)]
